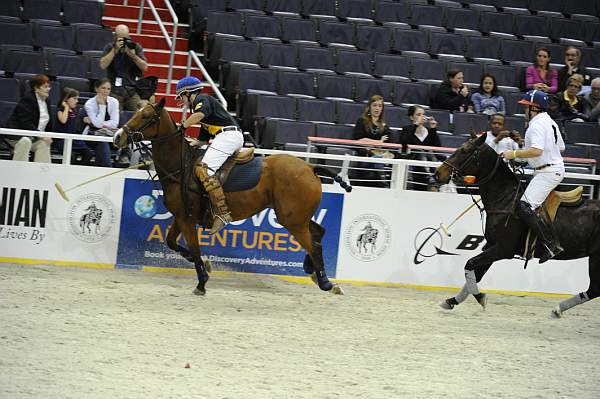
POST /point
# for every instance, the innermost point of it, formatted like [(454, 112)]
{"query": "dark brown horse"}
[(577, 227), (287, 184)]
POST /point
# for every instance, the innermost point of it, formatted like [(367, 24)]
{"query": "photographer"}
[(124, 62)]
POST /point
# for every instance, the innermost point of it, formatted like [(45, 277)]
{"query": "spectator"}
[(102, 118), (32, 113), (371, 128), (499, 139), (124, 62), (452, 94), (422, 131), (67, 123), (541, 76), (572, 66), (567, 105), (591, 102), (487, 98)]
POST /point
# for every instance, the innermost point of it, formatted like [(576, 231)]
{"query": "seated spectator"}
[(102, 118), (32, 113), (499, 139), (540, 75), (591, 102), (371, 128), (572, 66), (67, 123), (452, 94), (567, 105), (487, 98), (422, 131), (124, 62)]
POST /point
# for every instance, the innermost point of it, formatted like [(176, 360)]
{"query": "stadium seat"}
[(239, 50), (10, 8), (396, 116), (315, 110), (79, 84), (291, 82), (42, 9), (515, 122), (93, 59), (516, 50), (258, 106), (349, 112), (293, 29), (292, 6), (354, 9), (83, 11), (318, 7), (426, 69), (366, 88), (257, 79), (479, 47), (6, 110), (224, 22), (14, 32), (246, 4), (410, 40), (90, 37), (582, 132), (452, 141), (334, 86), (52, 34), (10, 90), (472, 71), (391, 11), (334, 131), (581, 7), (442, 117), (446, 43), (511, 99), (315, 58), (462, 18), (19, 59), (61, 64), (465, 123), (280, 131), (506, 75), (374, 38), (391, 65), (408, 93), (566, 28), (496, 22), (336, 32), (353, 61), (278, 54), (531, 25), (261, 26)]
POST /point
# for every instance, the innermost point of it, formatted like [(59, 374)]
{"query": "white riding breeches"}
[(542, 184), (222, 147)]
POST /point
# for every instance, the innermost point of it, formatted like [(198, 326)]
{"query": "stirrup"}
[(550, 253), (219, 223)]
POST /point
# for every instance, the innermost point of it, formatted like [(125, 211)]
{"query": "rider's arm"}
[(194, 119)]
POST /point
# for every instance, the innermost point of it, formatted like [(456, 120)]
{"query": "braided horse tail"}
[(321, 170)]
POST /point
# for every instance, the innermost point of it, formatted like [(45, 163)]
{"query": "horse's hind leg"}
[(191, 238), (316, 232), (592, 292)]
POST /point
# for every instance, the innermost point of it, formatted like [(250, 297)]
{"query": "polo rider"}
[(543, 146), (228, 138)]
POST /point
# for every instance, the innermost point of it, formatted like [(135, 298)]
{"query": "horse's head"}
[(466, 161), (143, 125)]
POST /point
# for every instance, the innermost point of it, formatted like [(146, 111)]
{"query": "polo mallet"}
[(63, 192), (447, 228)]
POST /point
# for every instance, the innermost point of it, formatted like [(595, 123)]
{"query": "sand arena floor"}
[(89, 333)]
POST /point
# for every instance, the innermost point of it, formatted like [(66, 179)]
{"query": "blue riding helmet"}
[(536, 98), (189, 84)]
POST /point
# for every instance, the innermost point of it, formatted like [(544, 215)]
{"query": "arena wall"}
[(373, 235)]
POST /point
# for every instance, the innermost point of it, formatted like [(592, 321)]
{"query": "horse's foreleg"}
[(172, 243), (191, 238), (592, 292)]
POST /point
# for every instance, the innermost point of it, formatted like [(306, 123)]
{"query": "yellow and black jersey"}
[(215, 116)]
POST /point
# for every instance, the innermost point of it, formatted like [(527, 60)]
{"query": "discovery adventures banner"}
[(258, 244)]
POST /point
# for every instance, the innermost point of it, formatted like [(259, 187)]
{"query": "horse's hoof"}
[(198, 291), (326, 286), (483, 301), (556, 313), (337, 290), (313, 277), (446, 305)]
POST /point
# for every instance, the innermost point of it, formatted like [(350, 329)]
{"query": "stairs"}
[(155, 46)]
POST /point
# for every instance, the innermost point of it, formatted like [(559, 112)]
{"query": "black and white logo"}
[(91, 217), (368, 237)]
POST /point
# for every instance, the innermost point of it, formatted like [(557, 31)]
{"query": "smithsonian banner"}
[(258, 244)]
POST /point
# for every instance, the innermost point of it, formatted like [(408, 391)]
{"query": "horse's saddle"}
[(240, 172)]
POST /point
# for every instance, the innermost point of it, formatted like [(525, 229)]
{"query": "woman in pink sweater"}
[(541, 76)]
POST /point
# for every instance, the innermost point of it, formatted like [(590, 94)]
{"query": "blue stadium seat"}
[(280, 131), (511, 99), (532, 25), (581, 7), (483, 47), (293, 6), (257, 79), (11, 8), (516, 50), (374, 38), (391, 65), (515, 122), (315, 58), (425, 69), (506, 75), (315, 110), (258, 106), (6, 110), (582, 132), (472, 71), (422, 14), (446, 43), (93, 59), (334, 131), (52, 34), (406, 93), (496, 22), (79, 84), (392, 11), (335, 86), (547, 5), (83, 11), (442, 117), (291, 82), (396, 116), (10, 90), (261, 26), (354, 9), (224, 22), (353, 61), (19, 59), (452, 141), (462, 18), (16, 32), (318, 7), (42, 9), (410, 40), (277, 54), (366, 88), (61, 64), (336, 32), (348, 112), (246, 4), (465, 123), (90, 37), (298, 29), (565, 28)]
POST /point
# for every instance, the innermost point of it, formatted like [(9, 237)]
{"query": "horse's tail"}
[(321, 170)]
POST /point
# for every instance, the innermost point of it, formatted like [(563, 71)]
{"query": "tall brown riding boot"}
[(219, 208)]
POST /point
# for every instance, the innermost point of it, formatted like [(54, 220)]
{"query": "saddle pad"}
[(244, 177)]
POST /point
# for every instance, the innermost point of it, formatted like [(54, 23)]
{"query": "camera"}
[(130, 44)]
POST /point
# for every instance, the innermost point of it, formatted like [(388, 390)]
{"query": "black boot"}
[(543, 231)]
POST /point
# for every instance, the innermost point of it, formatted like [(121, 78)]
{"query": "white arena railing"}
[(401, 175)]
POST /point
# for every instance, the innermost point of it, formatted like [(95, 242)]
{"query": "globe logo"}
[(145, 206)]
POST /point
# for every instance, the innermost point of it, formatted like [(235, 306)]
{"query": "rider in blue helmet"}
[(228, 139), (542, 150)]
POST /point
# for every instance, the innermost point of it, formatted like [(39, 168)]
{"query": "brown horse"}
[(287, 184)]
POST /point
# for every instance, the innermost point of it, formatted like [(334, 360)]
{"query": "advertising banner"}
[(37, 223), (257, 244), (395, 237)]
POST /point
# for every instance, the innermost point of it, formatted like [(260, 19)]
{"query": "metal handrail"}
[(171, 43), (193, 56)]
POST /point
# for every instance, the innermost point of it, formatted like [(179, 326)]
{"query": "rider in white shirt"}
[(543, 146)]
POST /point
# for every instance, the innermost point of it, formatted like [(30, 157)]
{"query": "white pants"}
[(222, 147), (23, 146), (542, 184)]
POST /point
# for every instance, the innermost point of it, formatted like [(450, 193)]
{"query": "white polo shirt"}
[(544, 134), (506, 144)]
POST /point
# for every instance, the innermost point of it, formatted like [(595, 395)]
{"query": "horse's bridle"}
[(475, 156), (135, 136)]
